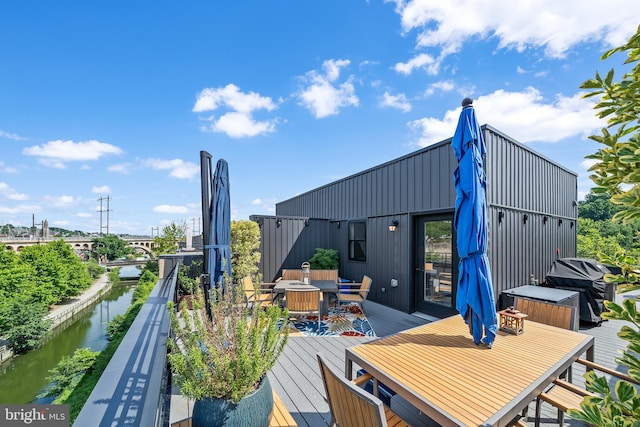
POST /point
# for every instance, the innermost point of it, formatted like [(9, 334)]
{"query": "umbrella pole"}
[(205, 183)]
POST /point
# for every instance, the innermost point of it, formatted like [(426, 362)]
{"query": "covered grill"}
[(585, 276)]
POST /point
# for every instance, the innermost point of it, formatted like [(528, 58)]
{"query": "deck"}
[(296, 377)]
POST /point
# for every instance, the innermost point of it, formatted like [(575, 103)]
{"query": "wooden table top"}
[(323, 285), (439, 369)]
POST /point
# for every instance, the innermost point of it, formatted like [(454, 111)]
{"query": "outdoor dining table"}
[(326, 287), (440, 371)]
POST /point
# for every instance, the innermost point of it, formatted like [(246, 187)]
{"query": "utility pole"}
[(157, 231), (103, 210)]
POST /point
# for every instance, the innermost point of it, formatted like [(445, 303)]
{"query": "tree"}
[(24, 322), (591, 242), (57, 272), (66, 375), (617, 172), (168, 241), (597, 206), (111, 246), (617, 169), (245, 245)]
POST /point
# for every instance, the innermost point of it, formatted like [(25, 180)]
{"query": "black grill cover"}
[(585, 276)]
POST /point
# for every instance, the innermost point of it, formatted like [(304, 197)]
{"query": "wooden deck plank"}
[(280, 417), (292, 382)]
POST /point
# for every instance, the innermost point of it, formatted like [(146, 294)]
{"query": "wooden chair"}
[(288, 274), (560, 316), (351, 405), (358, 295), (564, 395), (304, 301), (324, 275), (262, 295)]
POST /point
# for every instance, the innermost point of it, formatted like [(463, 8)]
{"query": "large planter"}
[(253, 410)]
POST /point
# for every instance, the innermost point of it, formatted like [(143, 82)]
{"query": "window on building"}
[(358, 241)]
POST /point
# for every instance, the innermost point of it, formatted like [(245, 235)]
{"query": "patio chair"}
[(564, 395), (304, 301), (560, 316), (288, 274), (357, 295), (351, 405), (262, 295)]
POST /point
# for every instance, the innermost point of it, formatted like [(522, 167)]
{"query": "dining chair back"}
[(351, 405), (324, 275), (288, 274), (357, 295), (304, 301)]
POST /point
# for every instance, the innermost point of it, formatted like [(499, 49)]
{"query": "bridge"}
[(140, 244), (127, 262)]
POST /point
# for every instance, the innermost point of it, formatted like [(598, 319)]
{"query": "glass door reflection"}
[(438, 267)]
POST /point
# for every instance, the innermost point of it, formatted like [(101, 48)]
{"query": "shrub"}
[(325, 259)]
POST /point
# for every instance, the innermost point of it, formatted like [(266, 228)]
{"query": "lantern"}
[(306, 273)]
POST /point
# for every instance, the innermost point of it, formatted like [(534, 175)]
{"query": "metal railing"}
[(132, 389)]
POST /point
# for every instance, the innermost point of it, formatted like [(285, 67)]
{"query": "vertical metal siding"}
[(519, 182)]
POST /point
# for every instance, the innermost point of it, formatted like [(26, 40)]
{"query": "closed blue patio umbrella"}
[(474, 298), (220, 253), (216, 214)]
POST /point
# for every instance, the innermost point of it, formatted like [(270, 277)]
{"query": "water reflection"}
[(23, 377)]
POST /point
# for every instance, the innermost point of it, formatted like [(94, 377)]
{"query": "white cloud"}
[(442, 86), (322, 95), (104, 189), (266, 205), (19, 209), (239, 121), (60, 201), (57, 153), (551, 25), (395, 101), (525, 116), (61, 223), (7, 169), (84, 215), (171, 209), (421, 61), (120, 167), (13, 136), (10, 193), (240, 125), (178, 167)]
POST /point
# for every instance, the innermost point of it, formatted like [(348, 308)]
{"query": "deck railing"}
[(133, 388)]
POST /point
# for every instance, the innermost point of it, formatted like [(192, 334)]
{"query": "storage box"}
[(541, 293)]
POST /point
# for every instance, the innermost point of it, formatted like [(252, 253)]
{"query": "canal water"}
[(23, 377)]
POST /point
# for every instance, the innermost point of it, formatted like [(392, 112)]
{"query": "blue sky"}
[(116, 99)]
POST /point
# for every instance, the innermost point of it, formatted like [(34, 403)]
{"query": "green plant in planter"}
[(227, 356), (186, 283), (325, 259)]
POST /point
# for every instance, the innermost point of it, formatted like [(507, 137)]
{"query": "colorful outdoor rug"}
[(344, 321)]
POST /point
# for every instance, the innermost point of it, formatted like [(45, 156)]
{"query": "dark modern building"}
[(394, 223)]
